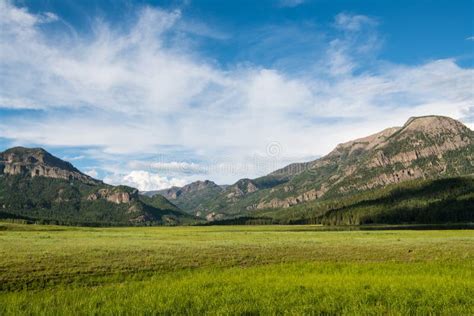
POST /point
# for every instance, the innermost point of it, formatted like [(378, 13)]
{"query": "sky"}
[(154, 94)]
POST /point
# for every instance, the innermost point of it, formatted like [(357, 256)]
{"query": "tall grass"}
[(234, 270)]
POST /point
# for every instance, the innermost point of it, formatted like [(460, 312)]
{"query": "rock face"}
[(213, 216), (240, 188), (114, 195), (36, 162)]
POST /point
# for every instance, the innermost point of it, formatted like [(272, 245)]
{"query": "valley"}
[(247, 158)]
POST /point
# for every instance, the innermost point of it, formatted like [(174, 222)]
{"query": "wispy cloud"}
[(353, 22), (92, 172), (290, 3), (470, 38), (169, 167), (73, 158)]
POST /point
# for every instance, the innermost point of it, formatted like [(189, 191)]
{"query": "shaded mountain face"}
[(37, 186), (428, 147), (439, 201)]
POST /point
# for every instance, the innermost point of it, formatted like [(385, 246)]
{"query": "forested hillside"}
[(36, 186), (449, 200)]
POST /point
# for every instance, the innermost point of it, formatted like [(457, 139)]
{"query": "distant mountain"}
[(191, 197), (429, 147), (37, 186)]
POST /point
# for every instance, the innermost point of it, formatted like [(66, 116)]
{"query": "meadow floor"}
[(223, 270)]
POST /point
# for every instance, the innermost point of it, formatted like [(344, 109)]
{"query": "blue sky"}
[(160, 93)]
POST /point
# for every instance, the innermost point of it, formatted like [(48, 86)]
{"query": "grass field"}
[(234, 270)]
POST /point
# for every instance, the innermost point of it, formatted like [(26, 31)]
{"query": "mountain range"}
[(418, 173)]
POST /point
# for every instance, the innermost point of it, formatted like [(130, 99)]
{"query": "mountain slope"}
[(447, 200), (428, 147), (425, 147), (38, 186), (191, 197)]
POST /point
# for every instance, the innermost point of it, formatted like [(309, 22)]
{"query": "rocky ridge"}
[(38, 162)]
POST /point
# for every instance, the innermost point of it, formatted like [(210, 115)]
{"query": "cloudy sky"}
[(160, 93)]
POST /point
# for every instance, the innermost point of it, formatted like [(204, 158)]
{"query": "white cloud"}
[(73, 158), (144, 181), (269, 89), (48, 17), (351, 22), (470, 38), (133, 92), (290, 3), (173, 166), (92, 172)]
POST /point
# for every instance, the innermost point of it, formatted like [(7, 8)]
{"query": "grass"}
[(49, 270)]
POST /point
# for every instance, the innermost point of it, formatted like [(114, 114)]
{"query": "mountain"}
[(429, 148), (191, 197), (425, 147), (37, 186)]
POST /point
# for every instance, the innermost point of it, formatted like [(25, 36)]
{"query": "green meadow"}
[(221, 270)]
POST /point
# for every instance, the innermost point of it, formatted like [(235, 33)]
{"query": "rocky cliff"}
[(115, 195)]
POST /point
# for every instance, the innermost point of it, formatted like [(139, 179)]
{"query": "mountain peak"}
[(174, 193), (38, 162), (198, 185), (433, 124), (19, 150), (357, 146)]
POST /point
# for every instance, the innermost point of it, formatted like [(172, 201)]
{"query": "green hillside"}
[(57, 201), (449, 200), (192, 197)]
